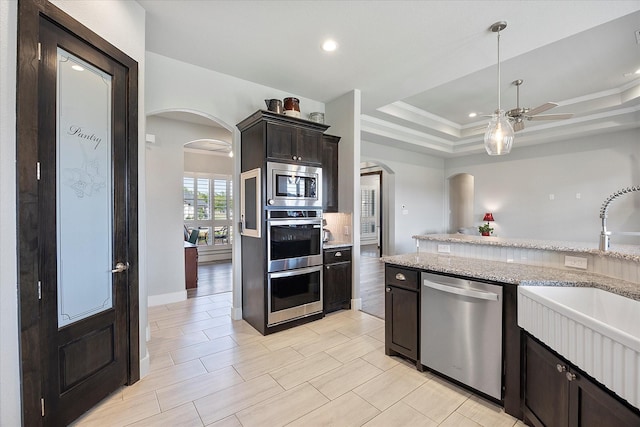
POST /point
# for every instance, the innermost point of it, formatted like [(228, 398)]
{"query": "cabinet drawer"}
[(401, 277), (337, 255)]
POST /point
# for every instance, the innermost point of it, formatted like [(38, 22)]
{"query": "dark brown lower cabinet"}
[(336, 280), (402, 313), (556, 393)]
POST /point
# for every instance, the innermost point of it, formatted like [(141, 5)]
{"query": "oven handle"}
[(473, 293), (296, 272), (315, 223)]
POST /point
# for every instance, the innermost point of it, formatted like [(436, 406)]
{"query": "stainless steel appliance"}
[(292, 294), (293, 185), (461, 331), (294, 239)]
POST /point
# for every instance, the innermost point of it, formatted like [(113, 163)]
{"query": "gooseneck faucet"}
[(604, 234)]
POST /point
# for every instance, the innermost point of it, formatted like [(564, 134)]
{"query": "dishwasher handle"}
[(473, 293)]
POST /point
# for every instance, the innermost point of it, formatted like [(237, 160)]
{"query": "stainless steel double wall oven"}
[(294, 242)]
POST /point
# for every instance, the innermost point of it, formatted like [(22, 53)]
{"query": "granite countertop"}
[(332, 244), (626, 252), (511, 273)]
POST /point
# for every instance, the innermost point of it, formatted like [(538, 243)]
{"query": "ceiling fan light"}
[(498, 138)]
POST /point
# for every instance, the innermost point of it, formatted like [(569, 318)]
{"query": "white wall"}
[(204, 162), (516, 187), (418, 186), (10, 410), (175, 85), (122, 23), (343, 114)]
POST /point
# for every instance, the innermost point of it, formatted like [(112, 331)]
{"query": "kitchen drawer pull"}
[(473, 293), (388, 289), (400, 276), (561, 368), (338, 254), (570, 376)]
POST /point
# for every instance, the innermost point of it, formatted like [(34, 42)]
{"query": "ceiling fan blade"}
[(542, 108), (551, 117)]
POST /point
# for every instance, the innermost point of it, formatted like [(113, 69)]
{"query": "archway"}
[(187, 145)]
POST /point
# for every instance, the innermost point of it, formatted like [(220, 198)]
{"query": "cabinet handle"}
[(295, 157), (338, 254), (561, 368), (388, 289), (328, 267), (299, 157), (400, 276), (570, 376)]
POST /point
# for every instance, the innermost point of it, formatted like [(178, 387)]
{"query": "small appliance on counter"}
[(326, 233)]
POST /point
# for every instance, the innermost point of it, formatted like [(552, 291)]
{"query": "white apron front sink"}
[(596, 330)]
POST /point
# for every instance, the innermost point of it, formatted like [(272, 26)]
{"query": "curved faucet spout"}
[(605, 240)]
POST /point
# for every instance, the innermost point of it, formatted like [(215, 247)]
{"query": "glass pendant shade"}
[(499, 135)]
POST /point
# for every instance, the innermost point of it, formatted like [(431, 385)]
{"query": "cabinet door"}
[(591, 406), (546, 393), (281, 142), (309, 146), (330, 173), (337, 286), (401, 321)]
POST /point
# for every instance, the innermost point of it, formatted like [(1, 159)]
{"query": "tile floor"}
[(207, 369)]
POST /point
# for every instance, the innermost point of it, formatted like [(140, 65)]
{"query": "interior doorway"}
[(371, 214), (194, 151)]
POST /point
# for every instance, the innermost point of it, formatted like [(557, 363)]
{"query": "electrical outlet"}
[(575, 262), (346, 230), (445, 249)]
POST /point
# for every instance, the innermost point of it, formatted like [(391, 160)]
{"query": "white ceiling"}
[(422, 66)]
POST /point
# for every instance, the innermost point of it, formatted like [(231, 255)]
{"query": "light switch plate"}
[(575, 262)]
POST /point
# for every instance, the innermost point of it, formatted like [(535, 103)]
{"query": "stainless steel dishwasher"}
[(461, 331)]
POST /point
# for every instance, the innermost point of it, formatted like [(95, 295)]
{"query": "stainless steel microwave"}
[(294, 185)]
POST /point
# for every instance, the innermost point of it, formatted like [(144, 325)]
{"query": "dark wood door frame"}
[(380, 205), (29, 14)]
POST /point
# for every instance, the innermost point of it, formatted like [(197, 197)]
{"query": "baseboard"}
[(356, 304), (153, 300), (236, 313), (145, 365)]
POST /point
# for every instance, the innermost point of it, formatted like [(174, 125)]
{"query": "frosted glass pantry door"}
[(84, 205)]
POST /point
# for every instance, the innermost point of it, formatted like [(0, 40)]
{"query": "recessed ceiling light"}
[(472, 115), (329, 45), (77, 67)]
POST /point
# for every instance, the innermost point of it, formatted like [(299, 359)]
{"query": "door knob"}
[(120, 267)]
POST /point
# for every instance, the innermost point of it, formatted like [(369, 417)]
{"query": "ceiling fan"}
[(518, 115)]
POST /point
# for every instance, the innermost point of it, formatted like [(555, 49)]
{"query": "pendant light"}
[(498, 137)]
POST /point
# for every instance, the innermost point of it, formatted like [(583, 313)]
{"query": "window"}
[(208, 206)]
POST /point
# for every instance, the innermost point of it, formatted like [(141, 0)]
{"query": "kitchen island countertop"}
[(332, 244), (512, 273)]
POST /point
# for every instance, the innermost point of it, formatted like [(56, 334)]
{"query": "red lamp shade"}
[(488, 217)]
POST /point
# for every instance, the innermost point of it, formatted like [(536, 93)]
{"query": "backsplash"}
[(606, 265), (340, 225)]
